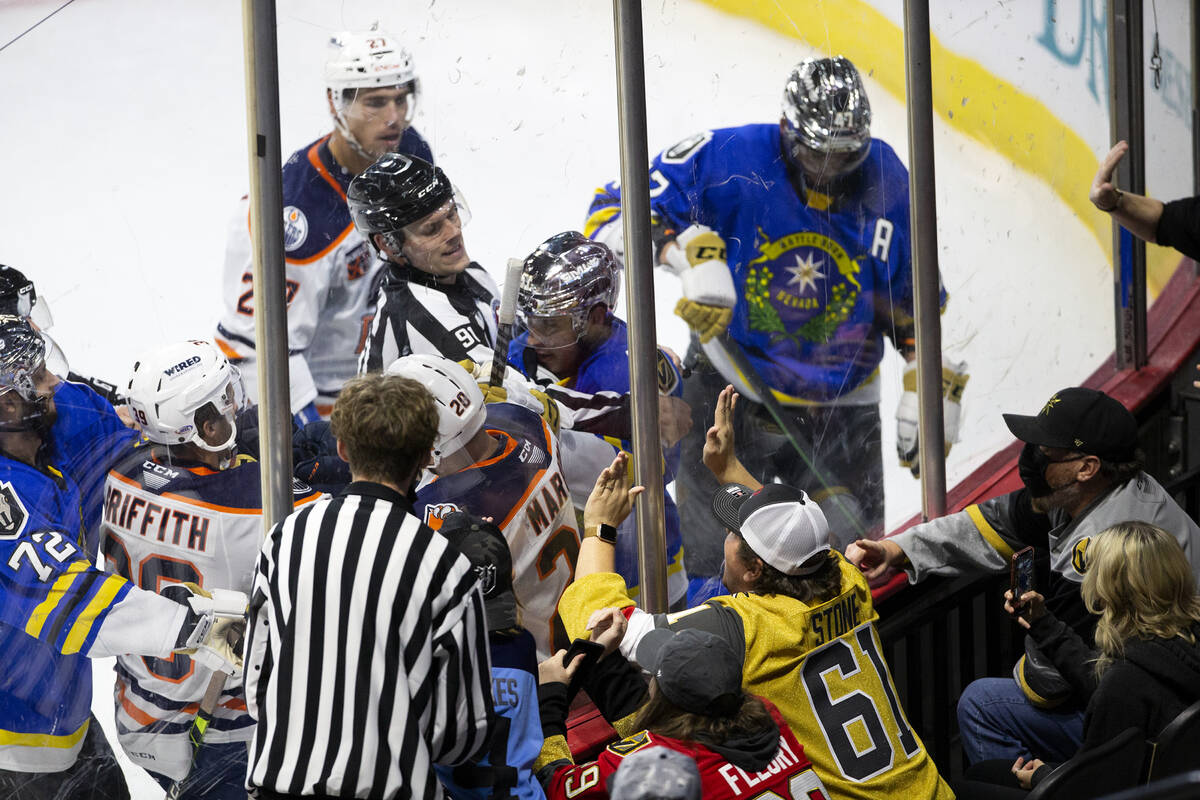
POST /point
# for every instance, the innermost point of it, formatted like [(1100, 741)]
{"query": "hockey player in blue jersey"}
[(184, 507), (501, 461), (372, 89), (570, 336), (56, 608), (795, 236), (505, 770)]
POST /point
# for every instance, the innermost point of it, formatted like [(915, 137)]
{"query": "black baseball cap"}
[(1084, 420), (783, 525), (486, 548), (696, 670)]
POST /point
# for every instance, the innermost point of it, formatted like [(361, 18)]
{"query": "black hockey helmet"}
[(17, 294), (395, 191)]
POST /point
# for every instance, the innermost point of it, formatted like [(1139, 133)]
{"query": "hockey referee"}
[(367, 659)]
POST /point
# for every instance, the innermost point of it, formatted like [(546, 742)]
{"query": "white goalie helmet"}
[(460, 404), (368, 60), (169, 385)]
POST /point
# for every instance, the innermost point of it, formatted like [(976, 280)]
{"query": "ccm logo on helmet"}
[(181, 366)]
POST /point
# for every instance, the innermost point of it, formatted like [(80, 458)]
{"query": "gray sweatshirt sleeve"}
[(979, 539)]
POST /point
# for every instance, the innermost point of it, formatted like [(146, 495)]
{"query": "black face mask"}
[(1032, 468)]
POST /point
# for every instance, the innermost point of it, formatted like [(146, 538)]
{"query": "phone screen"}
[(1022, 572)]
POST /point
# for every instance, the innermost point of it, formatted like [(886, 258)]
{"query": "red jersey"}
[(789, 775)]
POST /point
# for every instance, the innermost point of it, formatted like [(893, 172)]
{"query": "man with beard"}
[(1082, 470)]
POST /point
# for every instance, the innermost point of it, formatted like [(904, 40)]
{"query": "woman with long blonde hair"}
[(1146, 663)]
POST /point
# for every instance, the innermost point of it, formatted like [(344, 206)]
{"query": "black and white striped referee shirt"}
[(416, 313), (367, 660)]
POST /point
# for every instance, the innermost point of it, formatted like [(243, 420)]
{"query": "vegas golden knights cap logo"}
[(1051, 403), (1079, 555)]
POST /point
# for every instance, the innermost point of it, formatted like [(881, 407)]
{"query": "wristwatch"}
[(607, 533)]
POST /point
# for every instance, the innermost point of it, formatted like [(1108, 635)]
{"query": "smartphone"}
[(591, 652), (1021, 577)]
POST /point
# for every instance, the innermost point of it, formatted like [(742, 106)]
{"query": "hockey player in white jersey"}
[(184, 508), (501, 461), (371, 89)]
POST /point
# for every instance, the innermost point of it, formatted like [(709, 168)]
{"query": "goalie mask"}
[(370, 59), (169, 385), (565, 277), (459, 401), (23, 370), (826, 118)]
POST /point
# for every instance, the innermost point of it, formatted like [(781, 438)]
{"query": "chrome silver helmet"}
[(566, 276), (826, 115)]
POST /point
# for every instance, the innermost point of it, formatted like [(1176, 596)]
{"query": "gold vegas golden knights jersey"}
[(821, 665)]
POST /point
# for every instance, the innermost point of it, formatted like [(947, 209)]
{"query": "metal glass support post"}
[(1127, 121), (922, 201), (1194, 14), (639, 303), (266, 235)]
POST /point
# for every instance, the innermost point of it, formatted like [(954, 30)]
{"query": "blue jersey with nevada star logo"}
[(820, 279)]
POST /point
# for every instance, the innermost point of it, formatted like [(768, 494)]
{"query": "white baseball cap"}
[(783, 525)]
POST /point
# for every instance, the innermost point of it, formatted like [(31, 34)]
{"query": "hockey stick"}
[(204, 715), (741, 362), (508, 312)]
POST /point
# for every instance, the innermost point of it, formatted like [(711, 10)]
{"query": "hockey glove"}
[(708, 292), (954, 380), (213, 632), (516, 389)]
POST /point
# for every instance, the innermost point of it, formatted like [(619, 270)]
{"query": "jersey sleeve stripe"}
[(603, 215), (73, 604), (988, 532), (37, 619), (64, 741), (135, 713), (85, 628)]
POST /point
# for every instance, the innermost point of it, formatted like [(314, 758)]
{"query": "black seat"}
[(1177, 748), (1114, 765)]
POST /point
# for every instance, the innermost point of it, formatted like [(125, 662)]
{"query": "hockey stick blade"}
[(508, 312)]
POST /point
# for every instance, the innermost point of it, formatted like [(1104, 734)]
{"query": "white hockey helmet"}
[(368, 60), (459, 400), (169, 385)]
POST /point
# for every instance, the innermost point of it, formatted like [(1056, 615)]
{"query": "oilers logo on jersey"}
[(295, 228)]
